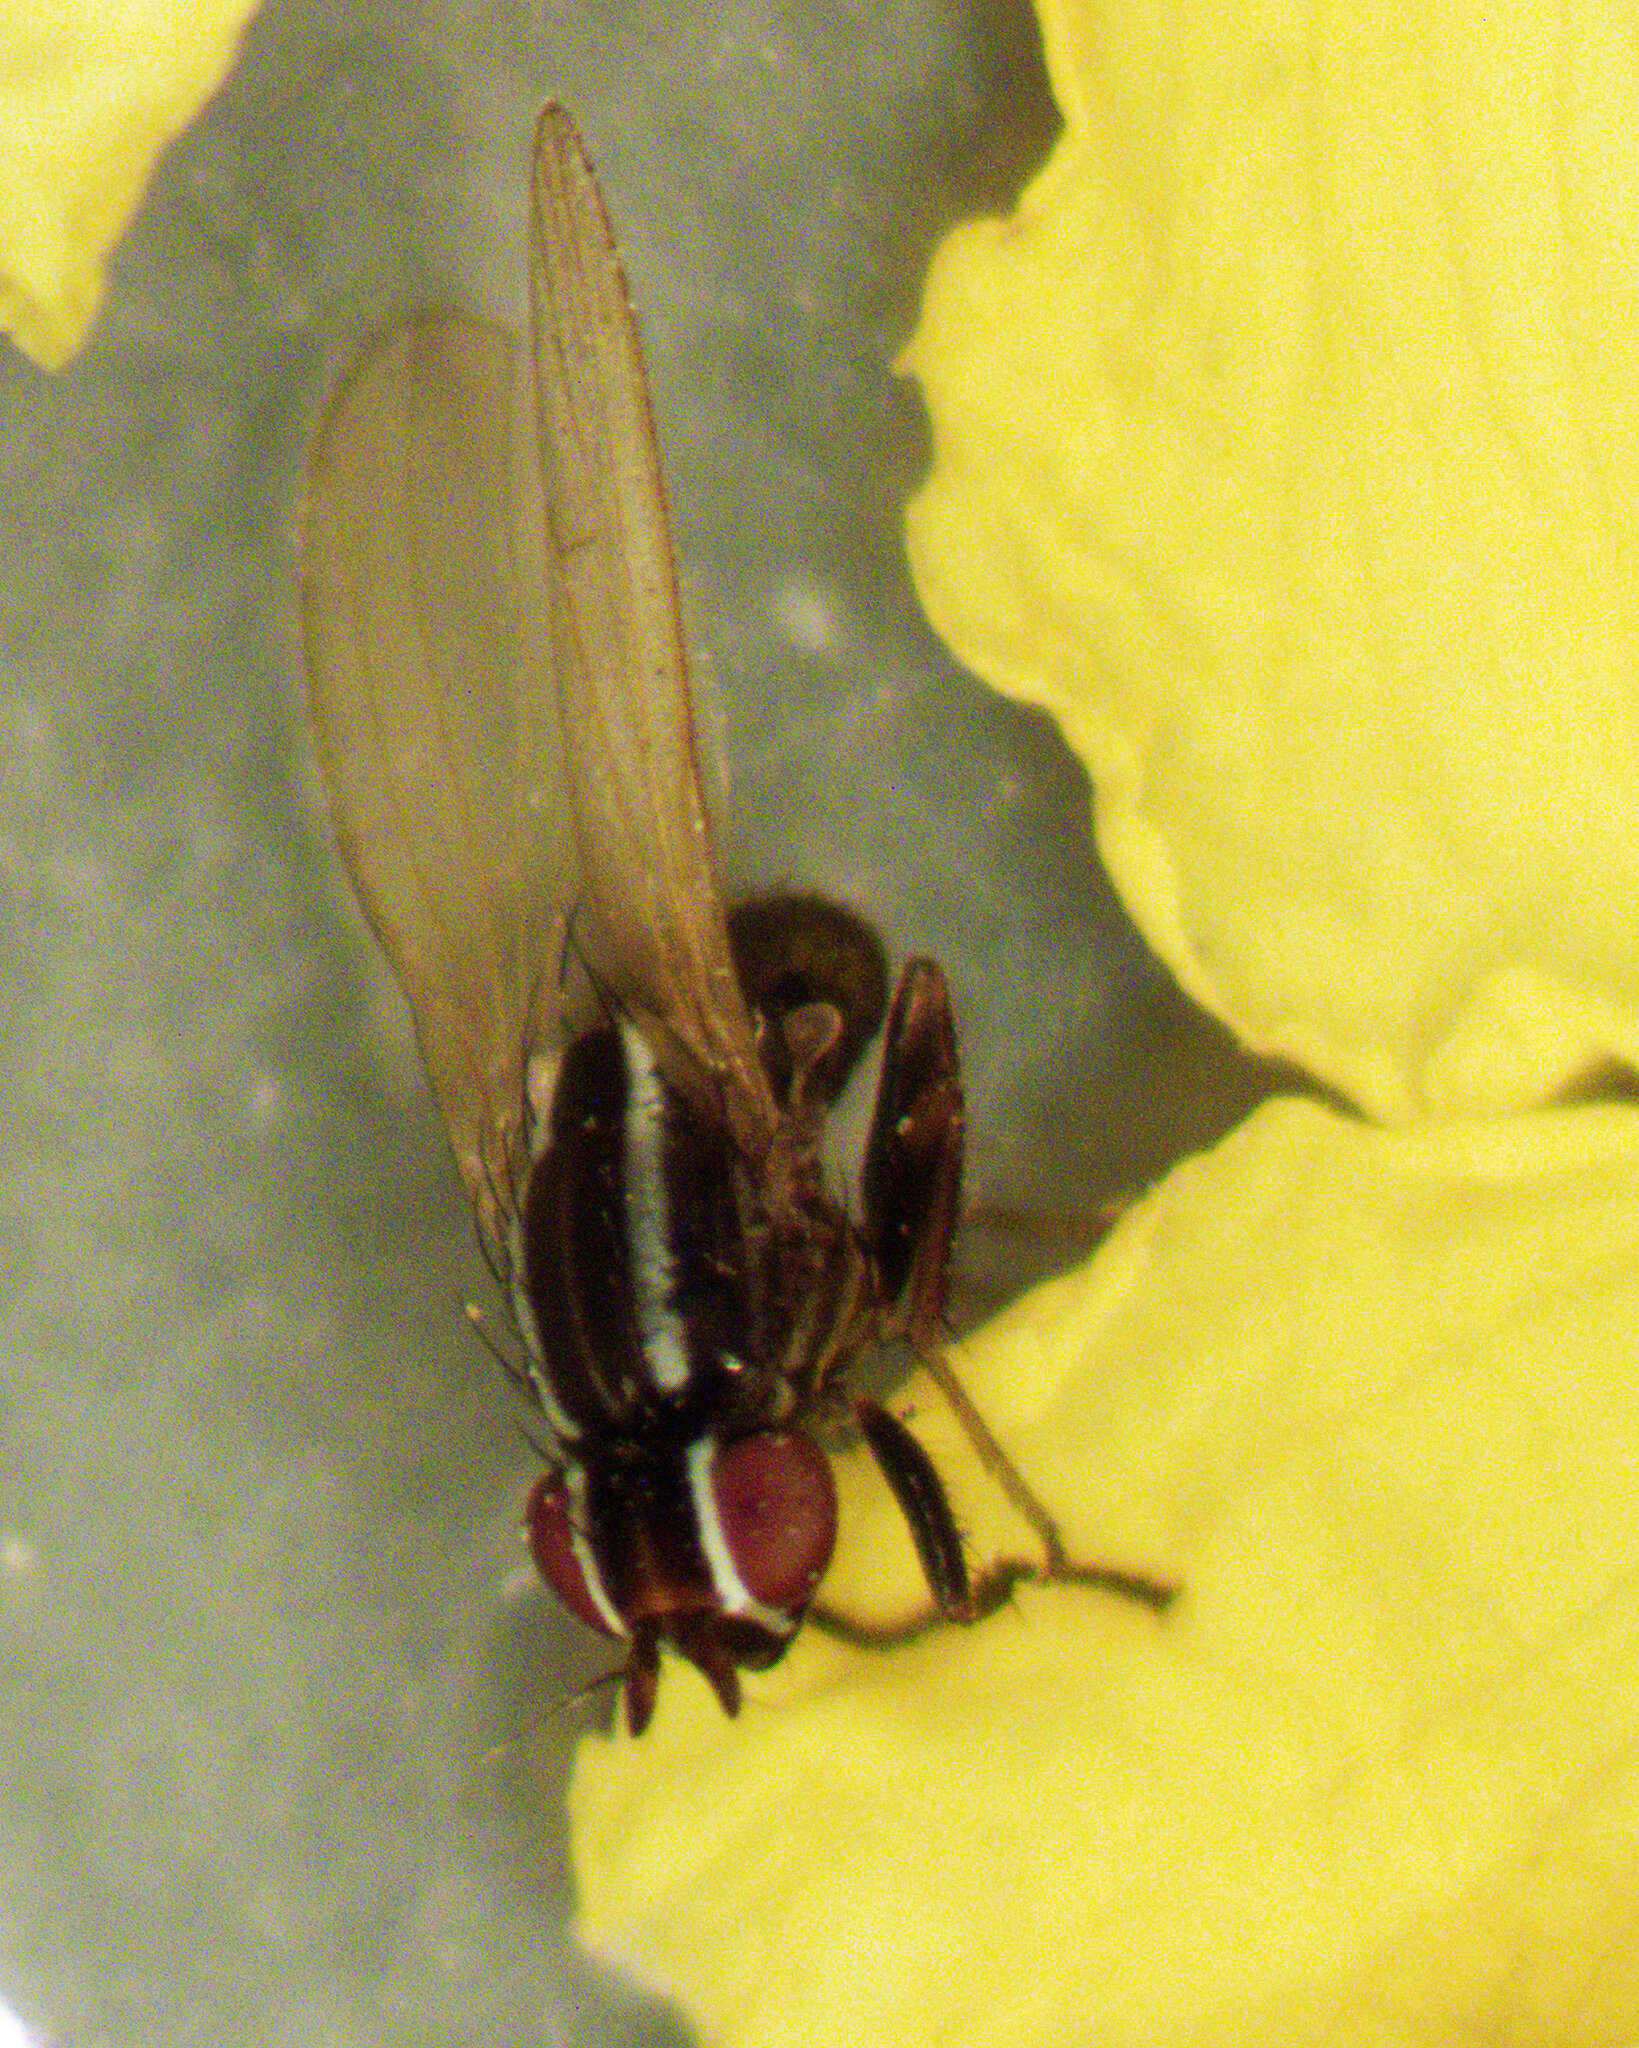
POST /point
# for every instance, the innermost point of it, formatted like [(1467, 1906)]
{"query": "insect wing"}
[(429, 677), (652, 916)]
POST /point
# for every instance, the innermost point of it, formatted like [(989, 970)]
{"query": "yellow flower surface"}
[(1371, 1396), (89, 96), (1285, 448)]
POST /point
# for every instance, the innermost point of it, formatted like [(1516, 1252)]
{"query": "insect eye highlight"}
[(776, 1504)]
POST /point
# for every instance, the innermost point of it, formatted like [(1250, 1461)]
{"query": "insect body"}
[(634, 1081), (693, 1309)]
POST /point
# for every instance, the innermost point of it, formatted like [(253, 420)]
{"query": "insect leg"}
[(912, 1188), (1059, 1566), (996, 1461), (911, 1182), (917, 1487), (988, 1593), (923, 1502)]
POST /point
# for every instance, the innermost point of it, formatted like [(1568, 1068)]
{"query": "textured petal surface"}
[(89, 96), (1285, 447), (1369, 1395)]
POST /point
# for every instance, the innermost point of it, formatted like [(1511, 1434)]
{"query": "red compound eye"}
[(551, 1540), (777, 1507)]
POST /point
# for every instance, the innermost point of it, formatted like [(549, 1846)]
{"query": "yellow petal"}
[(89, 96), (1371, 1395), (1285, 447)]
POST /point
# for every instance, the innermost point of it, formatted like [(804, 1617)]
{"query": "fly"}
[(634, 1079)]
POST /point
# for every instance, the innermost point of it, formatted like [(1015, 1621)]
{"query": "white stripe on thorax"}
[(648, 1217), (574, 1479), (732, 1590)]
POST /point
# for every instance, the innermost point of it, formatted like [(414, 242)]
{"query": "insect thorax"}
[(665, 1282)]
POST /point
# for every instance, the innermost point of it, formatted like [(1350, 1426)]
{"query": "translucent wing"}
[(501, 695), (652, 916), (429, 675)]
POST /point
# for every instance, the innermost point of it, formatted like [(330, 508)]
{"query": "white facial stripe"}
[(648, 1218), (732, 1590), (574, 1479)]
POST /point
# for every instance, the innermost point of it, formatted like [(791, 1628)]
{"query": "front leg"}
[(911, 1185), (912, 1188), (911, 1182)]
